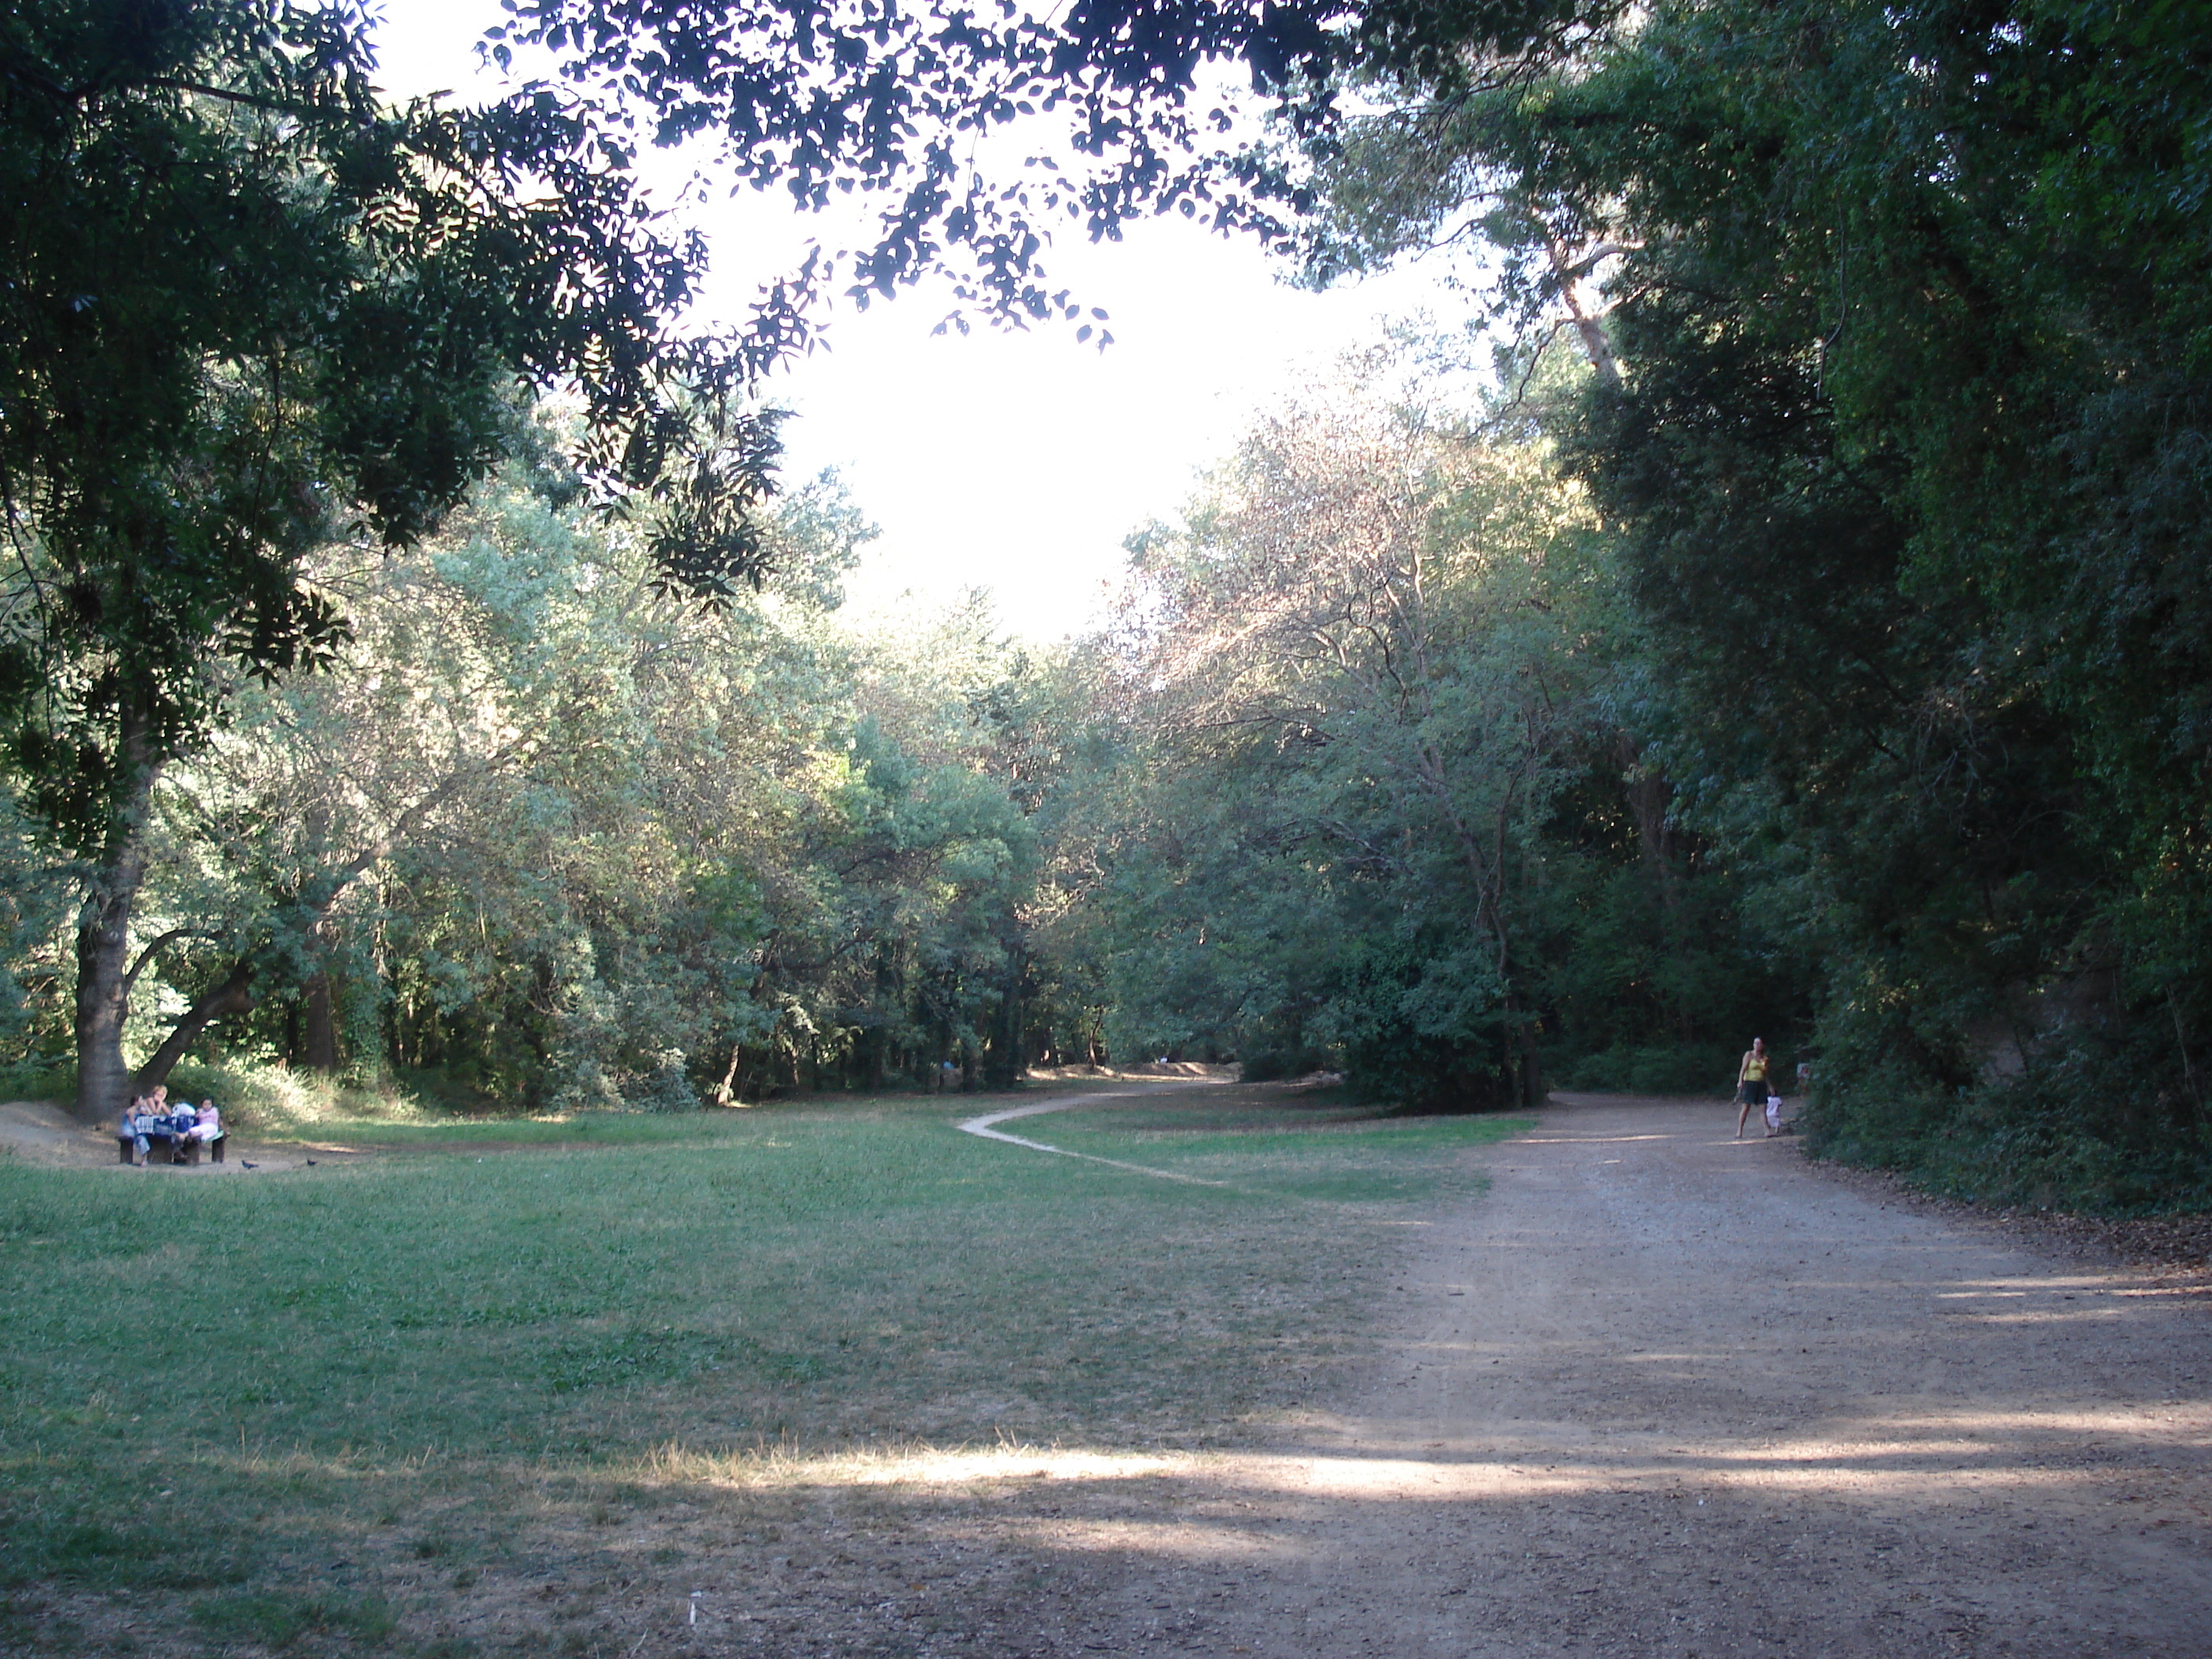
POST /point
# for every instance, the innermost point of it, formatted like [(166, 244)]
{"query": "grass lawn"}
[(317, 1409)]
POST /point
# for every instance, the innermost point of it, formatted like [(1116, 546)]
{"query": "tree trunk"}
[(100, 1061), (233, 996), (322, 1033), (1524, 1070), (103, 941), (1648, 796), (1003, 1065), (1588, 322)]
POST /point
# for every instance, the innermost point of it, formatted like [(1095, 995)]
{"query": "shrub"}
[(1266, 1065), (1688, 1069), (2084, 1126)]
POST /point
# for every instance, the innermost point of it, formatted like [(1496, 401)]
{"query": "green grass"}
[(279, 1620), (1316, 1149), (276, 1395)]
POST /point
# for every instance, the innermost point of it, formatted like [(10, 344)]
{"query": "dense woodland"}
[(414, 670)]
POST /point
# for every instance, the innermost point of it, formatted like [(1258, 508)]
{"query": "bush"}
[(1267, 1065), (272, 1096), (1420, 1020), (1412, 1074), (666, 1088), (1689, 1069), (35, 1080), (2087, 1125)]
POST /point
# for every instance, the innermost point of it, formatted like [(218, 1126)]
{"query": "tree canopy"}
[(1904, 447), (248, 307), (1806, 631)]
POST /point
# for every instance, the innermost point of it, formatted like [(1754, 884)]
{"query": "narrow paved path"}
[(1663, 1393)]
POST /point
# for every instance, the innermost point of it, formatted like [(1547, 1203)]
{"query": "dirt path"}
[(986, 1126), (38, 1132), (1661, 1392)]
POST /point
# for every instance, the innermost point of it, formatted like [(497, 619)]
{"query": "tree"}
[(1369, 692), (247, 307), (1910, 301), (548, 835)]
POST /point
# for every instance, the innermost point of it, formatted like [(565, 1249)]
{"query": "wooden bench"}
[(173, 1148)]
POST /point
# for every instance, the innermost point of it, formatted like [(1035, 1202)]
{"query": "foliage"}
[(248, 305), (549, 838), (1112, 106), (1375, 655), (1346, 788), (1898, 412), (1822, 656), (246, 308), (1654, 1069)]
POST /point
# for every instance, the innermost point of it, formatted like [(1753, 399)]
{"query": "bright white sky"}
[(1012, 462)]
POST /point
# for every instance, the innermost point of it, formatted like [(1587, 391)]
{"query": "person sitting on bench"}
[(207, 1127), (144, 1121)]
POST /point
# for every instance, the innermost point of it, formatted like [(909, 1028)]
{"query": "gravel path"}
[(1664, 1393)]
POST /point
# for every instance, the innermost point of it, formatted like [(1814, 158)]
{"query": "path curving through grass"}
[(986, 1126)]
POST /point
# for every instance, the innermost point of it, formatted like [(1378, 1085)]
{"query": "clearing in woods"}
[(827, 1380)]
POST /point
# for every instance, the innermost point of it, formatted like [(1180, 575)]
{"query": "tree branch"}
[(130, 976), (233, 996)]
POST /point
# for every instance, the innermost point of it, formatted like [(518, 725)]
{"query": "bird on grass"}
[(243, 1164)]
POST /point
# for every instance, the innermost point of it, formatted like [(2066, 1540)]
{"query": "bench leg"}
[(215, 1149)]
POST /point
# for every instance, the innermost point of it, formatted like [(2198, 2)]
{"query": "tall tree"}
[(244, 307), (1371, 689), (245, 303), (1907, 455)]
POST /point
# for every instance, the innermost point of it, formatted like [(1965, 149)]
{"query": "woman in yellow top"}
[(1750, 1084)]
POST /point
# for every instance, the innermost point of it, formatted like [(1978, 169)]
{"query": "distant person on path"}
[(1751, 1083)]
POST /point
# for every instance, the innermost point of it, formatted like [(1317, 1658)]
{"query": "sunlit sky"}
[(1013, 462)]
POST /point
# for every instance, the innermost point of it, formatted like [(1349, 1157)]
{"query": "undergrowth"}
[(2065, 1137), (1686, 1069)]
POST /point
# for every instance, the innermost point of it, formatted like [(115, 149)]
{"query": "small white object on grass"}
[(694, 1607)]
